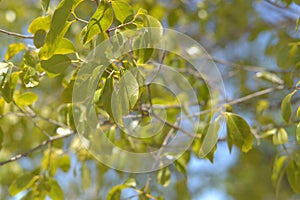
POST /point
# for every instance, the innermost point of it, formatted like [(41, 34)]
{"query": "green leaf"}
[(9, 86), (14, 49), (65, 46), (1, 138), (271, 77), (39, 38), (128, 91), (210, 139), (163, 176), (278, 171), (45, 4), (63, 162), (99, 22), (122, 10), (59, 19), (86, 177), (280, 137), (2, 106), (55, 193), (293, 175), (239, 132), (56, 64), (130, 183), (115, 192), (67, 93), (22, 183), (40, 23), (298, 112), (107, 95), (26, 98), (286, 107), (298, 133)]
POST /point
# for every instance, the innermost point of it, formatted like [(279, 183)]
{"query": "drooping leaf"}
[(22, 183), (99, 22), (40, 23), (122, 10), (239, 132), (56, 64), (55, 193), (278, 171), (293, 175), (163, 176), (280, 137), (286, 107), (298, 112), (26, 98), (14, 49)]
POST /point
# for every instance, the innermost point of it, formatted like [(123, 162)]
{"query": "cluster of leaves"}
[(53, 63)]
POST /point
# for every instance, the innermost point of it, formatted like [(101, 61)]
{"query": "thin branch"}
[(16, 34), (120, 26), (97, 2), (29, 116), (46, 142), (256, 94)]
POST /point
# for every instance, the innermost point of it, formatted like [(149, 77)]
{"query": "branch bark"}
[(16, 34), (27, 153)]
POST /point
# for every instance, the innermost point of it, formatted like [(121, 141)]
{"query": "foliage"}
[(39, 146)]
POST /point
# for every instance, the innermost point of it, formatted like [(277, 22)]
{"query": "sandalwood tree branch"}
[(16, 34), (44, 143)]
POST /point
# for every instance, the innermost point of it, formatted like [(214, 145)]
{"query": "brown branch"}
[(16, 34), (22, 155)]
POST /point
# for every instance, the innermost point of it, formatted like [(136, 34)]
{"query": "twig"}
[(120, 26), (29, 116), (16, 34), (22, 155), (256, 94)]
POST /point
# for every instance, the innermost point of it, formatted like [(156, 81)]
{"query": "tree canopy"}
[(149, 99)]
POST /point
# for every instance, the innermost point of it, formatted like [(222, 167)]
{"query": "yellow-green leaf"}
[(56, 193), (14, 49), (1, 138), (278, 171), (26, 98), (59, 19), (298, 133), (22, 183), (56, 64), (65, 46), (163, 176), (293, 175), (86, 176), (238, 132), (45, 4), (286, 107), (280, 137), (99, 22), (122, 10), (40, 23)]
